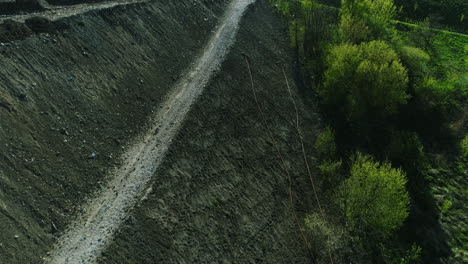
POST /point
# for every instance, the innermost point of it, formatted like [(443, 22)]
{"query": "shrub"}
[(331, 171), (412, 256), (364, 82), (414, 59), (325, 143), (397, 254), (464, 146), (445, 98), (405, 149), (446, 205), (375, 196)]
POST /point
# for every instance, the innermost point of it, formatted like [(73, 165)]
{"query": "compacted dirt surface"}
[(108, 156)]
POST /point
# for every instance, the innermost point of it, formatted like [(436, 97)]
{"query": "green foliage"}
[(446, 205), (464, 146), (325, 143), (364, 82), (375, 196), (331, 171), (365, 20), (396, 254), (353, 29), (413, 255), (416, 60), (445, 97), (405, 149), (441, 12)]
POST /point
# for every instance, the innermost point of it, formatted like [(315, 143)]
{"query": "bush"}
[(445, 97), (464, 146), (405, 149), (445, 207), (394, 254), (413, 255), (414, 59), (325, 143), (331, 171), (364, 82), (374, 197)]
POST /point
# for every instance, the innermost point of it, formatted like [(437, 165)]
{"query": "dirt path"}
[(90, 233), (58, 12)]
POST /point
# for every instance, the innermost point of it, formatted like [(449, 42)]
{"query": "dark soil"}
[(221, 196), (11, 30), (40, 25), (70, 102)]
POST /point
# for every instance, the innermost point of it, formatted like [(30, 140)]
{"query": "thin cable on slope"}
[(305, 154), (285, 167)]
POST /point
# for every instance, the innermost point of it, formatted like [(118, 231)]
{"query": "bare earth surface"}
[(58, 12), (89, 235)]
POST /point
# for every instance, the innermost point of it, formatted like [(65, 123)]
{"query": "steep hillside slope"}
[(71, 101), (222, 194)]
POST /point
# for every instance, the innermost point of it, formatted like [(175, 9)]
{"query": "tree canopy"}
[(375, 195), (364, 81), (364, 20)]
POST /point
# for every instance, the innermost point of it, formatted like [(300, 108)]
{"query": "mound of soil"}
[(221, 195), (71, 101), (40, 25), (11, 30)]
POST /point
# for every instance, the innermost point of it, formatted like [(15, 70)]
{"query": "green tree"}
[(375, 196), (364, 82), (365, 20)]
